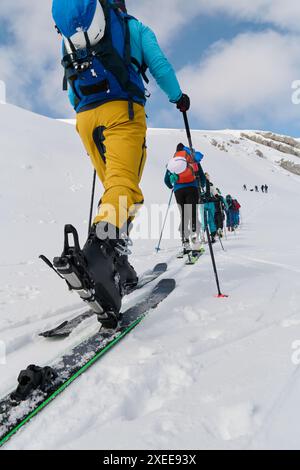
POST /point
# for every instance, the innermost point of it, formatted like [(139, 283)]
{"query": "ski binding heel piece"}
[(109, 320), (71, 265)]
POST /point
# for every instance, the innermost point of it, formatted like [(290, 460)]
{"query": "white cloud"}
[(248, 78), (167, 16), (30, 58), (281, 13), (250, 74)]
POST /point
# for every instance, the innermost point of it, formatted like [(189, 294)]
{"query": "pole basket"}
[(222, 296)]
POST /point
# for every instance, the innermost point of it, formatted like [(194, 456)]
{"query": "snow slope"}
[(199, 372)]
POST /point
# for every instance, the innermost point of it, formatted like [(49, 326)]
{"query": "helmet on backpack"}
[(81, 23), (177, 165), (183, 165)]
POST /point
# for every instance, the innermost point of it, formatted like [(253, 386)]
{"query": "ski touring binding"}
[(72, 267), (30, 379)]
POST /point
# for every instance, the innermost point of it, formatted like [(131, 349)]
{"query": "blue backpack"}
[(102, 72)]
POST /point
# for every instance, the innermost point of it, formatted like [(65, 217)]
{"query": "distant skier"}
[(105, 55), (256, 189), (245, 187), (263, 188), (184, 174), (266, 189)]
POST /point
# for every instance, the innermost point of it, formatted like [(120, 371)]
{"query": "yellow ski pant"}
[(117, 148)]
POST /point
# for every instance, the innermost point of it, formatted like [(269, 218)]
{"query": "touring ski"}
[(193, 257), (66, 328), (42, 385)]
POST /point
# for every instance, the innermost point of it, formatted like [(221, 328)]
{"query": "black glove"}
[(184, 103)]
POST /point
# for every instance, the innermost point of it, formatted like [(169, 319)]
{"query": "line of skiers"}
[(197, 196), (264, 188)]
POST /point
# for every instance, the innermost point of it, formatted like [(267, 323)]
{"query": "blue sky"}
[(237, 68)]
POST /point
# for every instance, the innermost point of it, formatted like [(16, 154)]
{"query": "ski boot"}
[(186, 248), (196, 244), (213, 237), (128, 275), (92, 273)]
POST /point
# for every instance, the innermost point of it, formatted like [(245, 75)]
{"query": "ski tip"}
[(55, 332), (161, 267), (167, 284)]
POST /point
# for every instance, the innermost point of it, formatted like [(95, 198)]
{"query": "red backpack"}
[(189, 174), (236, 205)]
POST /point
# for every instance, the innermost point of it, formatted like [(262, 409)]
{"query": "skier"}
[(208, 208), (105, 56), (230, 214), (184, 174), (256, 189), (245, 187), (263, 188), (220, 208), (236, 213), (266, 189)]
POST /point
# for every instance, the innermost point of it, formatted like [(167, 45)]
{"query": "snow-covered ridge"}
[(286, 147), (223, 369)]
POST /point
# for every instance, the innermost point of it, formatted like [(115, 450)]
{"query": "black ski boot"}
[(128, 275), (92, 272), (101, 258)]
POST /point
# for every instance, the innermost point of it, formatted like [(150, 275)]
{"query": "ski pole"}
[(202, 234), (92, 202), (189, 137), (188, 131), (221, 243), (220, 295), (225, 229), (165, 221)]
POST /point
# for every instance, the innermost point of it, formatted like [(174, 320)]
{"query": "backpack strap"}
[(142, 69), (110, 57)]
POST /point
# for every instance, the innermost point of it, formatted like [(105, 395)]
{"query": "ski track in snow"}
[(199, 372)]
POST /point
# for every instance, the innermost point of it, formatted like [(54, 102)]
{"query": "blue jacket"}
[(198, 157), (145, 48)]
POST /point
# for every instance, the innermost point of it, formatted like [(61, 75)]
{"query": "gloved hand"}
[(174, 178), (184, 103)]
